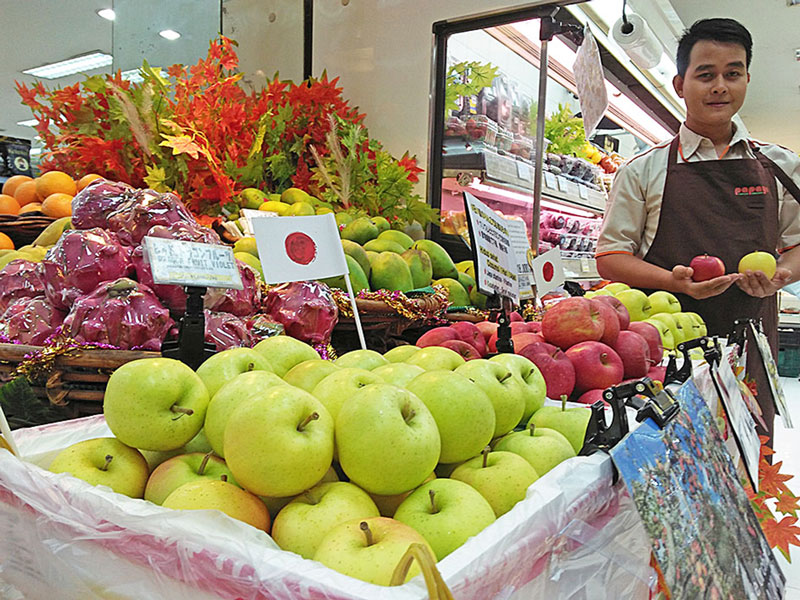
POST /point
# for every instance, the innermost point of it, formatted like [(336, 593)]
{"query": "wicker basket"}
[(25, 228)]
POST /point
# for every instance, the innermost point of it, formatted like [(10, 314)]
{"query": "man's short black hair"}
[(714, 30)]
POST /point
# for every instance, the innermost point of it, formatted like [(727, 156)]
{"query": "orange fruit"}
[(8, 205), (26, 193), (31, 207), (57, 205), (6, 243), (13, 182), (87, 179), (54, 182)]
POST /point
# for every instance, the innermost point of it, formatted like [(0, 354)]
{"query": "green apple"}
[(615, 287), (637, 303), (665, 331), (105, 461), (279, 443), (543, 448), (401, 353), (155, 403), (759, 261), (198, 443), (361, 359), (435, 358), (529, 377), (223, 366), (215, 494), (309, 373), (569, 422), (699, 321), (275, 504), (664, 302), (463, 412), (398, 374), (689, 327), (335, 389), (387, 439), (369, 550), (670, 321), (247, 385), (387, 505), (506, 392), (447, 513), (283, 352), (302, 524), (176, 471)]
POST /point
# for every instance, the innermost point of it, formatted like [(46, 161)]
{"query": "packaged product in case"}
[(481, 128), (504, 140), (454, 127), (522, 146)]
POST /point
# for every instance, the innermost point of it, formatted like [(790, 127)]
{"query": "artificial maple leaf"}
[(787, 504), (155, 180), (181, 144), (771, 480), (781, 534)]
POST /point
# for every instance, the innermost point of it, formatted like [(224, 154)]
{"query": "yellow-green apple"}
[(463, 412), (664, 331), (598, 293), (302, 524), (534, 385), (222, 367), (361, 359), (387, 439), (398, 374), (283, 352), (247, 385), (705, 267), (155, 403), (699, 320), (555, 367), (309, 373), (437, 335), (335, 389), (622, 313), (596, 366), (690, 327), (447, 512), (543, 448), (503, 478), (571, 321), (669, 320), (664, 302), (634, 352), (615, 287), (176, 471), (505, 391), (105, 461), (637, 303), (400, 354), (279, 443), (469, 332), (387, 505), (464, 349), (610, 322), (433, 358), (652, 336), (198, 443), (216, 494), (758, 261), (569, 422), (369, 550), (275, 505)]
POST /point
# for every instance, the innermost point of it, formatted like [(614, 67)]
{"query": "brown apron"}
[(726, 208)]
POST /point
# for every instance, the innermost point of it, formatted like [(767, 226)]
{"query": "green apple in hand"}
[(506, 392), (387, 439), (361, 359), (155, 403), (529, 377), (436, 358), (664, 302), (401, 353), (283, 352), (302, 524), (335, 389), (222, 367), (447, 512), (176, 471), (309, 373), (503, 478), (463, 412), (543, 448), (279, 443), (217, 494), (398, 373), (105, 461), (637, 303), (569, 422)]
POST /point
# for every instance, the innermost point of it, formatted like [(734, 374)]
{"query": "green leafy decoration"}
[(565, 132), (466, 79)]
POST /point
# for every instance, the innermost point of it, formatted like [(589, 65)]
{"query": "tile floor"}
[(787, 449)]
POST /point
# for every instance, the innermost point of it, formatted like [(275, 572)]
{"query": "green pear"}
[(357, 251), (358, 279), (398, 237), (390, 271), (440, 260), (419, 264), (456, 293), (293, 195), (371, 256), (360, 231), (251, 198), (250, 261), (385, 245), (246, 244)]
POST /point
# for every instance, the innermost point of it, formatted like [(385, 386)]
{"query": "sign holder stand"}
[(190, 347), (498, 309), (5, 429), (356, 317)]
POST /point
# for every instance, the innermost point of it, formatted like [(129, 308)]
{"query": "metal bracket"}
[(499, 314), (190, 347), (680, 375)]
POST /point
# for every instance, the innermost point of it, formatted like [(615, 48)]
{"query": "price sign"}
[(518, 234), (563, 183), (583, 192), (550, 181), (524, 171), (585, 267), (249, 214), (177, 262)]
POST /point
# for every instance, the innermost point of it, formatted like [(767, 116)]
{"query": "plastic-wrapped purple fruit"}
[(122, 313), (225, 330), (187, 231), (306, 310), (133, 219), (262, 326), (92, 205), (241, 303), (85, 257), (20, 279), (30, 320)]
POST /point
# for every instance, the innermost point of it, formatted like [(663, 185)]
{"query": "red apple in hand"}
[(653, 338), (634, 351), (610, 322), (622, 313), (555, 367), (572, 321), (706, 267), (596, 366)]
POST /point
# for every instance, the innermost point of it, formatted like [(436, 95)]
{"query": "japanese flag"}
[(299, 248), (548, 271)]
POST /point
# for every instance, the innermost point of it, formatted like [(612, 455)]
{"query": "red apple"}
[(622, 312), (466, 350), (470, 333), (487, 329), (515, 316), (634, 351), (555, 367), (610, 322), (591, 396), (706, 267), (596, 366), (519, 327), (436, 336), (657, 373), (652, 337), (535, 326), (525, 339), (572, 321)]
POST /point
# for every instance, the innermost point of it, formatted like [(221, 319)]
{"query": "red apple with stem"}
[(487, 329), (653, 338), (555, 367), (466, 350), (706, 267), (437, 335), (470, 333), (525, 339), (572, 321), (596, 366), (622, 313)]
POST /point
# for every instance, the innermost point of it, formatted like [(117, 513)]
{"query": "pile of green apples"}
[(346, 462)]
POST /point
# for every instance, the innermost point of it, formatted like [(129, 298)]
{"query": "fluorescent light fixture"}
[(70, 66), (107, 13), (135, 75), (523, 199), (28, 123), (169, 34), (36, 151)]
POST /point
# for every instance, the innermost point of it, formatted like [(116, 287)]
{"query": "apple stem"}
[(202, 468), (367, 533), (250, 366), (408, 413), (109, 458), (312, 417), (432, 494), (532, 428), (307, 495), (181, 411), (223, 477), (563, 402), (506, 376), (485, 454)]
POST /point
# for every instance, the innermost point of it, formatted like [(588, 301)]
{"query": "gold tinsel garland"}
[(38, 365), (428, 308)]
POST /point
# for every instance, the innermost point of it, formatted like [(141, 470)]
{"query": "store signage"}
[(550, 181), (763, 348), (248, 214), (548, 271), (518, 235), (583, 192), (499, 167), (176, 262), (562, 183), (492, 250)]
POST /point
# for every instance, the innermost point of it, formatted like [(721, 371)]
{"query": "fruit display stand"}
[(64, 538)]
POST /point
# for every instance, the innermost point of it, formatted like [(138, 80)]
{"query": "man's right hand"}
[(701, 289)]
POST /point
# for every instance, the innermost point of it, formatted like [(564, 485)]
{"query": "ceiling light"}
[(107, 13), (169, 34), (36, 151), (28, 123), (70, 66)]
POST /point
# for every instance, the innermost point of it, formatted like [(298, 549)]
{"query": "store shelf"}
[(577, 269)]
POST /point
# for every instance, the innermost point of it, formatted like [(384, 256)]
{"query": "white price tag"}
[(518, 234), (563, 183), (583, 192), (524, 171), (585, 266), (249, 214), (177, 262), (550, 181)]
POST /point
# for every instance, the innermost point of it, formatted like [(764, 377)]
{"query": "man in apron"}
[(710, 190)]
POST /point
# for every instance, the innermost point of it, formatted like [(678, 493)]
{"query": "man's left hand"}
[(755, 283)]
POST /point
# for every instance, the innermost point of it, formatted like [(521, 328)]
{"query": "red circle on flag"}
[(548, 271), (300, 248)]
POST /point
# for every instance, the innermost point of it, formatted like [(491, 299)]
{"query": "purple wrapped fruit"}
[(133, 219), (262, 326), (225, 330), (241, 303), (92, 205), (30, 320), (306, 310), (20, 279)]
